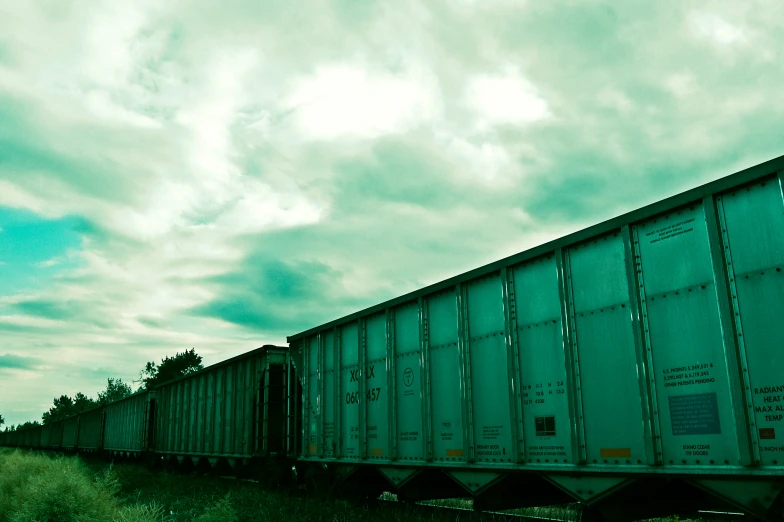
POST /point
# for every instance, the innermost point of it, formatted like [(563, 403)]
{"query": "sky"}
[(219, 175)]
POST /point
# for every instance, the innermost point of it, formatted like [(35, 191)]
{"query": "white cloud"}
[(48, 263), (715, 28), (480, 158), (681, 85), (506, 98), (340, 100)]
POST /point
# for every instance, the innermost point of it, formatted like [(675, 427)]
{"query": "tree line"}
[(183, 363)]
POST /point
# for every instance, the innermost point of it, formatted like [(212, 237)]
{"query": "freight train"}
[(633, 367)]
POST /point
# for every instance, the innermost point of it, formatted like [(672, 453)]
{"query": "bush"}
[(35, 487)]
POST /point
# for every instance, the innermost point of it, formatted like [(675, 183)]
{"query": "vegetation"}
[(115, 390), (63, 489), (22, 426), (170, 368), (65, 406), (47, 488)]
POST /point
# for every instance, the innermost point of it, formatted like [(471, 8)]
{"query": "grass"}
[(42, 488), (49, 487)]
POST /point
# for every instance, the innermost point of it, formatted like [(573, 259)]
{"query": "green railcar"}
[(634, 367), (127, 425), (234, 410), (90, 436)]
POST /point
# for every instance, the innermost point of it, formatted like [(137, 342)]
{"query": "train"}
[(632, 367)]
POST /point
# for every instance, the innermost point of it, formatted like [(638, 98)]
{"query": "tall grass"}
[(42, 488)]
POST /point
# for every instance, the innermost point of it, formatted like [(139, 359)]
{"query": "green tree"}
[(27, 424), (82, 403), (65, 406), (170, 368), (2, 421), (115, 390)]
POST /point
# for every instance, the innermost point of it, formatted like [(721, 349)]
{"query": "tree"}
[(27, 424), (170, 368), (82, 403), (115, 390), (64, 406), (2, 421)]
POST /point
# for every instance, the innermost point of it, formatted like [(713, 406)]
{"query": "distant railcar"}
[(634, 366), (235, 409), (128, 425), (91, 430), (55, 440), (46, 430), (70, 432)]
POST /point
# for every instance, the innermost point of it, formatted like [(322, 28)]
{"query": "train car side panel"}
[(752, 220), (490, 375), (70, 432), (348, 399), (605, 354), (376, 394), (124, 423), (409, 381), (686, 340), (446, 377), (540, 339), (91, 429), (56, 434), (220, 411)]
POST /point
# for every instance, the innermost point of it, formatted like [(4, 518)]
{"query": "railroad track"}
[(469, 512), (704, 515)]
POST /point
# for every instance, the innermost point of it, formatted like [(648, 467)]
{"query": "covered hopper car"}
[(634, 366)]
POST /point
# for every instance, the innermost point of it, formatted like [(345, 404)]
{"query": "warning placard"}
[(695, 414)]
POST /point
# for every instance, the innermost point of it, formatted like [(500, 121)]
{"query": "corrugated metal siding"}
[(36, 434), (56, 434), (650, 344), (216, 411), (124, 426), (70, 431), (46, 431), (91, 429)]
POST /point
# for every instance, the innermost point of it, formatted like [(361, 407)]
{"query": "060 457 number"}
[(372, 394)]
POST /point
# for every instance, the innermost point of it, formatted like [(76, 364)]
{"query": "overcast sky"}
[(218, 175)]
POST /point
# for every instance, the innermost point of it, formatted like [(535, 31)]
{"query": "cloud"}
[(712, 27), (270, 297), (507, 98), (339, 100), (17, 362)]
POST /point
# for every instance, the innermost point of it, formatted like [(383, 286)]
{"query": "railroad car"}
[(633, 366), (55, 440), (127, 426), (46, 430), (70, 432), (90, 437), (235, 410)]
